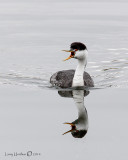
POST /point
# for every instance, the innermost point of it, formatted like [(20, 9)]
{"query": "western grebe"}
[(79, 127), (74, 78)]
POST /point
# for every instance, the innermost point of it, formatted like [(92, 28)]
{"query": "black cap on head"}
[(79, 134), (78, 45)]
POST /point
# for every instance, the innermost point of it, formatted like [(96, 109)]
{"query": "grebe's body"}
[(74, 78), (64, 79)]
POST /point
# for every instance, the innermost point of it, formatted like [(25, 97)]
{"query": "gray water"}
[(33, 33), (32, 113)]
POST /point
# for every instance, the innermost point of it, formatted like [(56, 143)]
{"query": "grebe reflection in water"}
[(79, 127)]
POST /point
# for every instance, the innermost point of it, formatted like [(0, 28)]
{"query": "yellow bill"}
[(67, 58), (72, 125), (68, 131), (71, 56), (67, 50)]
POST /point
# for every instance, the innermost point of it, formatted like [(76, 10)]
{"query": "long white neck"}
[(78, 76), (78, 96)]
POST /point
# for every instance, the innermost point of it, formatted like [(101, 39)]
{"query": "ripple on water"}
[(16, 79), (111, 70)]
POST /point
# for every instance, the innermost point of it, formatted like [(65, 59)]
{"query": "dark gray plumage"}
[(69, 93), (64, 79)]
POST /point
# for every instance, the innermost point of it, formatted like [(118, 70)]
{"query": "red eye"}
[(75, 49)]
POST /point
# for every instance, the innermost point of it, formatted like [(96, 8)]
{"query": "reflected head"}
[(79, 134)]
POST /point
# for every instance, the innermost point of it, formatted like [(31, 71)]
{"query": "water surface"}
[(33, 33), (32, 113), (32, 119)]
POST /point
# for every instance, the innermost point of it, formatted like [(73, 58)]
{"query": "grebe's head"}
[(77, 50), (77, 130)]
